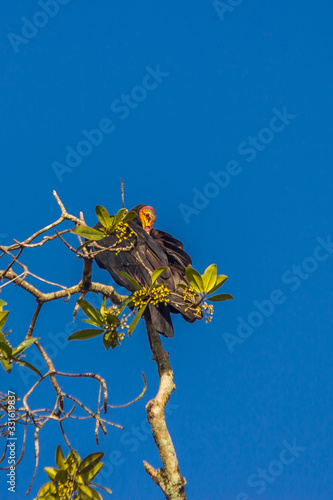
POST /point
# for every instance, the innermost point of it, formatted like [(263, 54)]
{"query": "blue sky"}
[(220, 118)]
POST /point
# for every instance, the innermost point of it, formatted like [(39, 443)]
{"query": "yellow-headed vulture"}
[(152, 249)]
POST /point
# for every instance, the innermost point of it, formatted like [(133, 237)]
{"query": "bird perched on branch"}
[(149, 250)]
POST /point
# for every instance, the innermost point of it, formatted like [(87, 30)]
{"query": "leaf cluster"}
[(207, 283), (109, 224), (9, 354), (203, 286), (73, 477)]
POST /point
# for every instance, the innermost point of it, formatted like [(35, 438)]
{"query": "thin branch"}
[(136, 399), (106, 290), (34, 319), (122, 193)]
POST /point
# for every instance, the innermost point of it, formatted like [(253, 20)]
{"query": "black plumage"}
[(151, 250)]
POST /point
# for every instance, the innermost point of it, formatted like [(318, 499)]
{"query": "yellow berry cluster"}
[(208, 311), (140, 297), (159, 294), (65, 490), (156, 295), (190, 294), (114, 337), (112, 310), (123, 231), (112, 333)]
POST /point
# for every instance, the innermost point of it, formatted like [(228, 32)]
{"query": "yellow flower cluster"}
[(208, 311), (160, 294), (155, 296), (189, 294), (114, 337), (65, 490), (112, 310), (123, 231), (112, 333), (140, 297)]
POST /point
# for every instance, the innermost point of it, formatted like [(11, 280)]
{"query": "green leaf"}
[(60, 458), (119, 216), (44, 489), (88, 233), (3, 318), (7, 365), (103, 216), (102, 488), (131, 280), (61, 476), (129, 216), (184, 287), (90, 311), (156, 274), (220, 297), (90, 461), (92, 322), (111, 319), (51, 472), (124, 304), (72, 462), (209, 277), (24, 345), (136, 319), (86, 334), (6, 348), (107, 343), (87, 493), (22, 362), (102, 309), (195, 279), (219, 282), (92, 473)]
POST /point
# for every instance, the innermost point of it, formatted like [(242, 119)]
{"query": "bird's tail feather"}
[(161, 319)]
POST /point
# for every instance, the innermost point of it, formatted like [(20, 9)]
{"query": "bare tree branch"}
[(41, 297), (168, 478)]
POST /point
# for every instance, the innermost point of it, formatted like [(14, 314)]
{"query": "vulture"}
[(152, 249)]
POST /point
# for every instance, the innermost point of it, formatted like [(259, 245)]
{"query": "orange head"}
[(147, 217)]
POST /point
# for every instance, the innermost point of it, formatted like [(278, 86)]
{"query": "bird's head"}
[(147, 216)]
